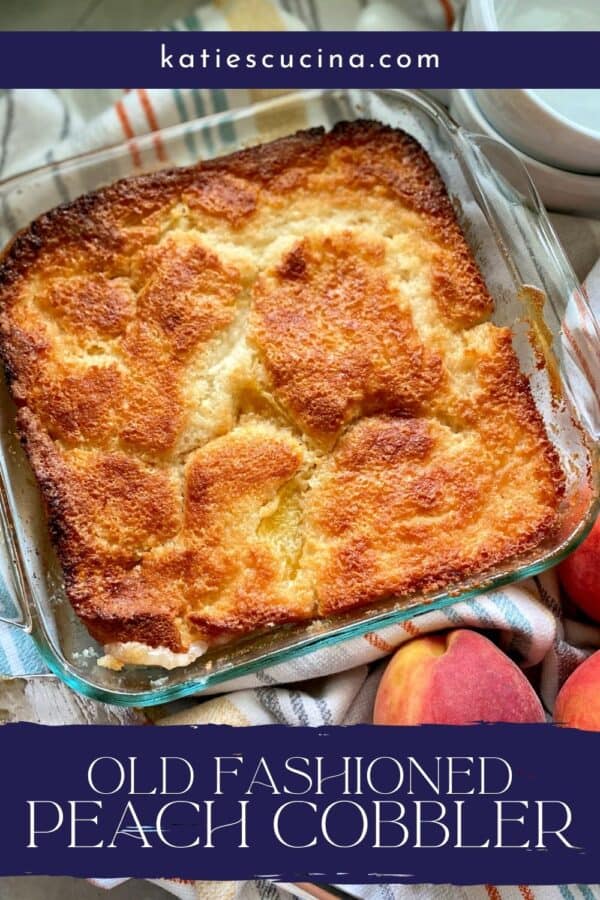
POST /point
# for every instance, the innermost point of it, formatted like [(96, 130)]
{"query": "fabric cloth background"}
[(337, 685)]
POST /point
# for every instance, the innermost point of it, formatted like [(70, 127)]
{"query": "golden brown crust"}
[(335, 341), (265, 388)]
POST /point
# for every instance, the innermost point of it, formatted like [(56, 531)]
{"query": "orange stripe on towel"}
[(146, 105), (448, 12), (526, 892), (410, 627), (128, 132), (375, 641), (493, 892)]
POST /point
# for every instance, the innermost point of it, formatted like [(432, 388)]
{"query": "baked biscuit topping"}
[(266, 389), (337, 340)]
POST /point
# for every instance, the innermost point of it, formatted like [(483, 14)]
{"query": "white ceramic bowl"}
[(525, 120), (560, 190), (520, 15)]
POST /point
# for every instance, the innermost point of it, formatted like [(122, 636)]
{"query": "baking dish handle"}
[(17, 597), (22, 619)]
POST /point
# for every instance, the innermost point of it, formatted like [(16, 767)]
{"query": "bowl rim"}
[(584, 178), (532, 98), (487, 9), (536, 100), (488, 12)]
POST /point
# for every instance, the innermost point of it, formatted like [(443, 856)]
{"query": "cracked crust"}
[(266, 388)]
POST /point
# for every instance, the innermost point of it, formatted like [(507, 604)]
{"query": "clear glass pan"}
[(526, 271)]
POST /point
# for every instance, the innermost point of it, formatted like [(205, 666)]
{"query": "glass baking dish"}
[(526, 272)]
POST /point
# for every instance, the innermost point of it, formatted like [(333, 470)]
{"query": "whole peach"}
[(579, 574), (578, 701), (454, 678)]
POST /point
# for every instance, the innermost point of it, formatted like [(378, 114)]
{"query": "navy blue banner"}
[(503, 804), (299, 59)]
